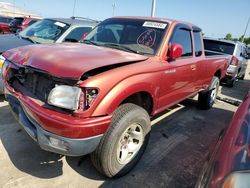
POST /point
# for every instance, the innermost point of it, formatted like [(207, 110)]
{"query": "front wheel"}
[(206, 99), (124, 142)]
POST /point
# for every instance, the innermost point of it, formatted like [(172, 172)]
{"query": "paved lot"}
[(178, 146)]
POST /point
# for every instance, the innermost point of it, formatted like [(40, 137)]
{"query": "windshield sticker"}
[(60, 24), (157, 25), (147, 38)]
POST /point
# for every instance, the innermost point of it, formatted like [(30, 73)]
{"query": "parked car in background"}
[(19, 23), (98, 97), (4, 24), (53, 30), (228, 164), (248, 51), (237, 54)]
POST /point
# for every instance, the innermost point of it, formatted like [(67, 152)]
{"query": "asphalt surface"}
[(178, 146)]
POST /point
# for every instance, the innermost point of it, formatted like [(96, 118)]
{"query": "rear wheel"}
[(231, 82), (241, 77), (206, 99), (124, 142)]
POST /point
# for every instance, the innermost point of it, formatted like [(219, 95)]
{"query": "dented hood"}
[(69, 60)]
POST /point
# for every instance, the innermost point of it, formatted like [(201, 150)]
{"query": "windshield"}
[(44, 31), (138, 36), (16, 21), (219, 46)]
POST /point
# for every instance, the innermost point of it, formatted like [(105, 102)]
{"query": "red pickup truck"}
[(98, 97)]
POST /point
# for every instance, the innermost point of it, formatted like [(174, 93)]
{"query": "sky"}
[(215, 17)]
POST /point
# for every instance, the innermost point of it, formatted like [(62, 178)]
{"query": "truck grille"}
[(34, 83)]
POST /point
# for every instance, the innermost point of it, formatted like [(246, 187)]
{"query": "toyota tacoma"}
[(98, 96)]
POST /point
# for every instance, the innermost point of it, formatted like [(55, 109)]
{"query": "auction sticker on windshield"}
[(60, 24), (157, 25)]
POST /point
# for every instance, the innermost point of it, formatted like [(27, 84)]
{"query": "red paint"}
[(227, 156), (167, 83), (26, 23), (4, 27), (230, 147)]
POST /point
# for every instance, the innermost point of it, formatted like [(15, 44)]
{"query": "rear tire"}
[(242, 77), (124, 142), (207, 98)]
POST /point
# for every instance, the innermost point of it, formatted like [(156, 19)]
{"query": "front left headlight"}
[(64, 96), (2, 59)]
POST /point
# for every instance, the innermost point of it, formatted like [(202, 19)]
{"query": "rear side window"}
[(5, 20), (219, 46), (198, 45), (76, 34), (183, 37)]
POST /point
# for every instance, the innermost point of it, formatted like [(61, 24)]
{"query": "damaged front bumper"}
[(49, 141)]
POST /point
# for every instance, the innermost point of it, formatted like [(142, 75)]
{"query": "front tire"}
[(206, 99), (124, 142)]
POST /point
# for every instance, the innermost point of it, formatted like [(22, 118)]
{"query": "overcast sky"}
[(215, 17)]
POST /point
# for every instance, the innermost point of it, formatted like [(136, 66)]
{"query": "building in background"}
[(8, 9)]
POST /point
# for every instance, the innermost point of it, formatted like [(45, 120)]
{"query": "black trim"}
[(196, 29)]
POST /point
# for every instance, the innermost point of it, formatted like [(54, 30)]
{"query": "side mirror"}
[(175, 51)]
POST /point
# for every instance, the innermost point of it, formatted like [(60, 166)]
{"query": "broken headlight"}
[(64, 96)]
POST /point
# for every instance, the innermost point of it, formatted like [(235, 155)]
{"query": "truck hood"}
[(70, 60), (10, 41)]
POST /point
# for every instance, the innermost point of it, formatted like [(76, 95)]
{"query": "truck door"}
[(178, 77)]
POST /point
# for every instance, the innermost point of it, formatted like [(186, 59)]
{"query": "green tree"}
[(241, 38), (228, 36)]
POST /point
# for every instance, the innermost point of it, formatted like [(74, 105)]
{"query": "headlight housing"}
[(2, 60), (64, 96)]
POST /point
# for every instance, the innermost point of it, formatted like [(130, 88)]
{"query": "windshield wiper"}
[(121, 47), (28, 39), (85, 41)]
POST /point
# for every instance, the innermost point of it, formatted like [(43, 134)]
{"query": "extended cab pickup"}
[(98, 97)]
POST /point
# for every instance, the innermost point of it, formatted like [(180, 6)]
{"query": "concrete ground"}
[(178, 146)]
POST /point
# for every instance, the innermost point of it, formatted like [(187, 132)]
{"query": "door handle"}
[(193, 67)]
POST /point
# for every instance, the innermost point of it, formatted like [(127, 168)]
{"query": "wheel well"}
[(142, 99), (218, 74)]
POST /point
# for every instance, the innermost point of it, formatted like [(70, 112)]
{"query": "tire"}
[(207, 98), (241, 77), (110, 157), (231, 82)]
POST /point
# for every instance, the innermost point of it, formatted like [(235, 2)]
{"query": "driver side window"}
[(183, 37)]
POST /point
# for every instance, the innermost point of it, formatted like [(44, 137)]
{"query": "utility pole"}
[(74, 8), (113, 6), (14, 7), (153, 8), (242, 40)]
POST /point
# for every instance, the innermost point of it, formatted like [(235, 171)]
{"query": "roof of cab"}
[(170, 21), (224, 40), (76, 21)]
